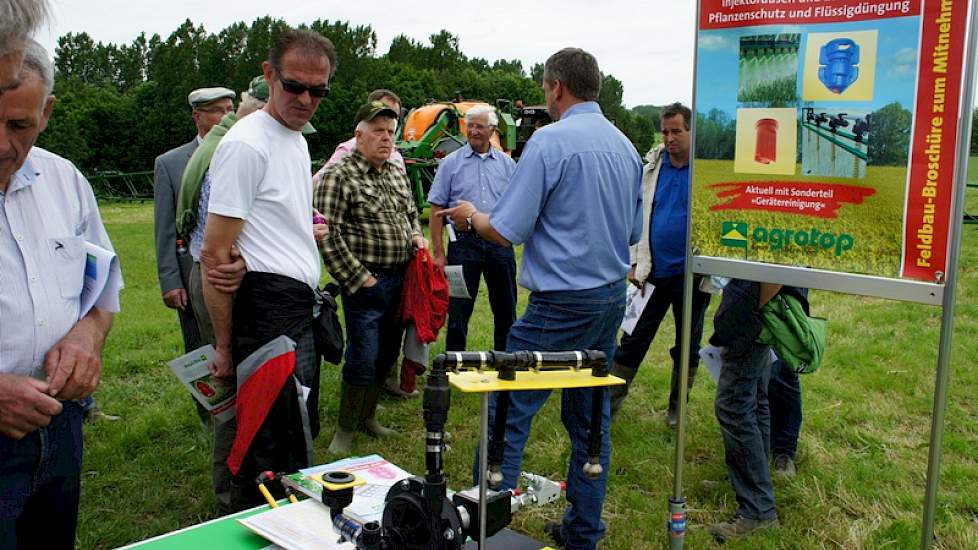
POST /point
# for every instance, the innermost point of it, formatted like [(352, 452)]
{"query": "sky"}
[(646, 44)]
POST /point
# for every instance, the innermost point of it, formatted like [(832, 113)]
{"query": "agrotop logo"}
[(736, 234)]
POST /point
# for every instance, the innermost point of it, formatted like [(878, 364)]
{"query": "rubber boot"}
[(351, 405), (368, 415), (672, 417), (392, 384), (618, 393)]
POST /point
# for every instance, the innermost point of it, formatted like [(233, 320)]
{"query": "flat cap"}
[(205, 95)]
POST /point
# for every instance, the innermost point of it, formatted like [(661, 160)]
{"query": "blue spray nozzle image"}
[(837, 64)]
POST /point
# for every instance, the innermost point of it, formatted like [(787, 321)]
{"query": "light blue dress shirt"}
[(466, 175), (575, 201)]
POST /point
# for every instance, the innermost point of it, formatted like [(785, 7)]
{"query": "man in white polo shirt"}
[(261, 200)]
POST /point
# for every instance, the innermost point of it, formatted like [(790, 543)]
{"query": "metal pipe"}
[(676, 543), (593, 468), (483, 467), (943, 375), (497, 444)]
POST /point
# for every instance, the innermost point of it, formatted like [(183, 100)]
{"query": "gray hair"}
[(36, 59), (249, 104), (577, 70), (483, 110), (18, 19)]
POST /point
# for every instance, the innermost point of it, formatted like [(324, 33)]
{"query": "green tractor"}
[(433, 131)]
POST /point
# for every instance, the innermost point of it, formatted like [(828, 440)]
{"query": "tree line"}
[(119, 106)]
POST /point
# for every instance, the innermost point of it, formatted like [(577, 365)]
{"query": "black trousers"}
[(668, 293)]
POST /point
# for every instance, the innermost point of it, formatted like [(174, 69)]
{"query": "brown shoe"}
[(740, 527)]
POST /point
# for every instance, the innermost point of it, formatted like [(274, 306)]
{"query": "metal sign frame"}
[(942, 295)]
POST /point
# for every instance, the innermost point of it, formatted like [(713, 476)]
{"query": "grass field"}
[(861, 462)]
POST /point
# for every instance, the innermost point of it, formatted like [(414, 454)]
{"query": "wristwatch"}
[(468, 221)]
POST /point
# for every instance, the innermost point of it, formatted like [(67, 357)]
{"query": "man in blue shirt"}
[(478, 173), (575, 203), (660, 260)]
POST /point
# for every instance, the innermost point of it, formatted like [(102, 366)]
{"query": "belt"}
[(397, 270)]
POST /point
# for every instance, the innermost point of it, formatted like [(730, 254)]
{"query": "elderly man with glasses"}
[(173, 261)]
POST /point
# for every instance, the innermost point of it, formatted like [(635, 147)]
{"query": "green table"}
[(227, 533), (223, 532)]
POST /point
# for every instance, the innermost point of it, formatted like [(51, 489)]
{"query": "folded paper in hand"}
[(103, 280)]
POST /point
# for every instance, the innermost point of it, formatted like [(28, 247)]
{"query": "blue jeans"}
[(40, 479), (784, 395), (498, 263), (373, 330), (741, 406), (562, 321)]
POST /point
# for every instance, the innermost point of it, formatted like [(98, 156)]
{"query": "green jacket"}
[(193, 176), (798, 339)]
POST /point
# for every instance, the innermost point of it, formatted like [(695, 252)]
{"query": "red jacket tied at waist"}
[(425, 297)]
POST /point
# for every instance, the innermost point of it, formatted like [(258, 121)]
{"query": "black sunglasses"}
[(297, 88)]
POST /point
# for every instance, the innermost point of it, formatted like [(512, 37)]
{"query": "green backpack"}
[(798, 339)]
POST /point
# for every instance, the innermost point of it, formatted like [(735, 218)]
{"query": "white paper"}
[(634, 306), (192, 370), (103, 280), (379, 475), (456, 282), (414, 349), (712, 357), (301, 526)]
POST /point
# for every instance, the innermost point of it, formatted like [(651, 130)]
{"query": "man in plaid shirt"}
[(374, 229)]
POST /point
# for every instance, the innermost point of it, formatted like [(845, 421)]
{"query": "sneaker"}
[(784, 466), (552, 529), (740, 526)]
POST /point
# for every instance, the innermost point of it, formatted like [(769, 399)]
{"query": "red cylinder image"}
[(766, 147)]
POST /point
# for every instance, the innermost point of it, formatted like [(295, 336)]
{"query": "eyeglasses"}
[(216, 110), (297, 88)]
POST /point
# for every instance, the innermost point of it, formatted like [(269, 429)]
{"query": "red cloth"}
[(409, 375), (255, 398), (425, 297)]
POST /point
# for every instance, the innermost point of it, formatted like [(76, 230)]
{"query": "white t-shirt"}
[(260, 173)]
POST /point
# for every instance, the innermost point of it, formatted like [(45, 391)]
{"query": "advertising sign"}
[(826, 133)]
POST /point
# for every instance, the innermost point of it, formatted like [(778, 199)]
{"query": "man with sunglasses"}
[(261, 201), (173, 262)]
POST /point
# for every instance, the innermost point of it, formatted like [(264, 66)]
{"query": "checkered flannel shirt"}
[(372, 219)]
